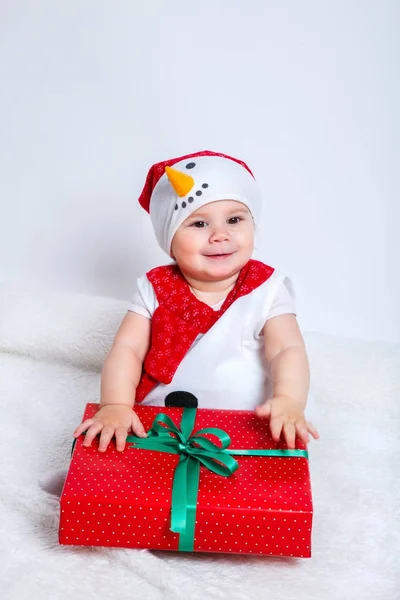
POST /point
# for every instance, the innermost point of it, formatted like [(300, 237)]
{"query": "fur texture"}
[(52, 347)]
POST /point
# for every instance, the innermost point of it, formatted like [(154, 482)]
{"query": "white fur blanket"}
[(51, 350)]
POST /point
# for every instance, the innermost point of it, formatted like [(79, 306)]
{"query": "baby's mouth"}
[(220, 256)]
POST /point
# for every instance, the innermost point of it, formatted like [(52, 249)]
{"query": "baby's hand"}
[(286, 415), (110, 420)]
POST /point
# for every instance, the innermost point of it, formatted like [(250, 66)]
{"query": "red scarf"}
[(180, 317)]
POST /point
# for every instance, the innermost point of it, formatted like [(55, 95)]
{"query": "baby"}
[(215, 322)]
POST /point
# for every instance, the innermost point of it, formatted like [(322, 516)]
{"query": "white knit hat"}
[(177, 187)]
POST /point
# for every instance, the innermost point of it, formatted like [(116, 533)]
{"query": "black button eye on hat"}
[(181, 400)]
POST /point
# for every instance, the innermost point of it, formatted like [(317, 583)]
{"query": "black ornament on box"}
[(181, 400)]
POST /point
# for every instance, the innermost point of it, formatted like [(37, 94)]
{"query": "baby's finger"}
[(275, 426), (83, 427), (289, 432), (301, 430), (312, 430), (120, 438), (264, 410), (137, 427), (91, 433), (105, 437)]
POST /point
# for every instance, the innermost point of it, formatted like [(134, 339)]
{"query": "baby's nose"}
[(219, 234)]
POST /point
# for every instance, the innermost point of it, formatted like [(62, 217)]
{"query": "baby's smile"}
[(218, 256)]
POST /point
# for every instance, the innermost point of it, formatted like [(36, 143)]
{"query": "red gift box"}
[(123, 499)]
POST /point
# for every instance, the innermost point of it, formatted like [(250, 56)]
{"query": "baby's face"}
[(215, 241)]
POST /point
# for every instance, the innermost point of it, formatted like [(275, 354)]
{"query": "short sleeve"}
[(284, 301), (144, 301)]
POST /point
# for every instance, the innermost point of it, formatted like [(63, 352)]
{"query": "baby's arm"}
[(286, 354), (119, 379)]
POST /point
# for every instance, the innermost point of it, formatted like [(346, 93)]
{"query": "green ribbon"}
[(194, 449)]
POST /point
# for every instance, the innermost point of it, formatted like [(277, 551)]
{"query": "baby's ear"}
[(181, 399)]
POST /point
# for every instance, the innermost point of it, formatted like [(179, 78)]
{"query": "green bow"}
[(194, 449)]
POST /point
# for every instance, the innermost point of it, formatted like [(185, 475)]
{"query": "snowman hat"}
[(175, 188)]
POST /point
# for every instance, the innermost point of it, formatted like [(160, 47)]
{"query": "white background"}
[(307, 92)]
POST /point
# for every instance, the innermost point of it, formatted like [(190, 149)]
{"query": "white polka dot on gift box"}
[(123, 499)]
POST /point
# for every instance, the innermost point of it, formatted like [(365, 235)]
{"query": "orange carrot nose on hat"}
[(175, 188)]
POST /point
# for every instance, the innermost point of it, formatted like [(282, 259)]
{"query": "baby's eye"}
[(199, 224), (234, 220)]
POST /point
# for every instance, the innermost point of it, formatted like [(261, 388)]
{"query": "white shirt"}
[(225, 367), (144, 301)]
